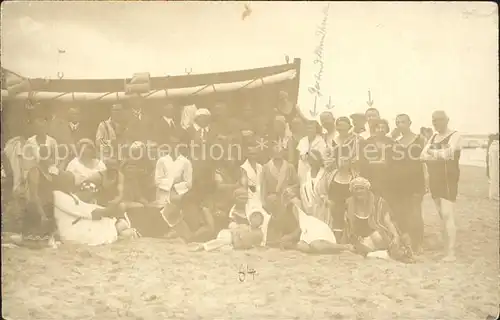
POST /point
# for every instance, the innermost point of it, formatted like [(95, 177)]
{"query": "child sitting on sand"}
[(239, 237)]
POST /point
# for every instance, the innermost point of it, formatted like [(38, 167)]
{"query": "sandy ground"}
[(153, 279)]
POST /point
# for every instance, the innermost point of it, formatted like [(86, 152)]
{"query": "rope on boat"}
[(155, 94)]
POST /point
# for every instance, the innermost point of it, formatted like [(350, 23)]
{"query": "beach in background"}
[(473, 157)]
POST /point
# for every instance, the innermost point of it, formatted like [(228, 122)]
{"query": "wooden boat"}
[(16, 87), (259, 88)]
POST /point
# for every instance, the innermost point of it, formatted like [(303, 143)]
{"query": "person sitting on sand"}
[(188, 220), (239, 237), (165, 177), (85, 164), (278, 176), (218, 207), (84, 223), (284, 230), (315, 235), (238, 214), (38, 222), (369, 227), (111, 189), (174, 180), (135, 170)]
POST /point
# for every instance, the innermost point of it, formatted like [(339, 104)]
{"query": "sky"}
[(414, 57)]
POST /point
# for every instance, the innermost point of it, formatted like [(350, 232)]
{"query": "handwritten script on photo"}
[(242, 273), (321, 32)]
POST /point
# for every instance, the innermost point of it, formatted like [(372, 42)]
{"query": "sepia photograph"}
[(249, 160)]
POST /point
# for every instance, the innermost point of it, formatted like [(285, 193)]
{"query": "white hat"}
[(202, 111)]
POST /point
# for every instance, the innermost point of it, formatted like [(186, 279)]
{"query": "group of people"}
[(337, 184)]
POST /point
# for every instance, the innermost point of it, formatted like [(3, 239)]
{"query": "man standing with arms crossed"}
[(442, 155)]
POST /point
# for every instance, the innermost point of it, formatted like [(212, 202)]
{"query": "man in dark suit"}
[(78, 129), (138, 124), (221, 118), (59, 126), (67, 129), (201, 137), (166, 124), (201, 130)]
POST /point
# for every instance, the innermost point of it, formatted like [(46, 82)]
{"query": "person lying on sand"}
[(369, 226), (239, 237)]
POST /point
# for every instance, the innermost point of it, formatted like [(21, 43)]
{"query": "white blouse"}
[(82, 172)]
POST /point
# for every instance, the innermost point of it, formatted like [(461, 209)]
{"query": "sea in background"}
[(473, 157)]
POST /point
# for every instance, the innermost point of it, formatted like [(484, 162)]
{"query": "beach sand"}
[(153, 279)]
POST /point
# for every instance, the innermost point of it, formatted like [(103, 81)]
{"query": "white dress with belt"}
[(74, 222)]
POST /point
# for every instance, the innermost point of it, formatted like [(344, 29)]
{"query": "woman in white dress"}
[(251, 174), (314, 189), (312, 141), (314, 212), (86, 165), (83, 223)]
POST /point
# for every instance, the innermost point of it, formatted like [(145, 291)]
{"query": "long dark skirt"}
[(148, 222)]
